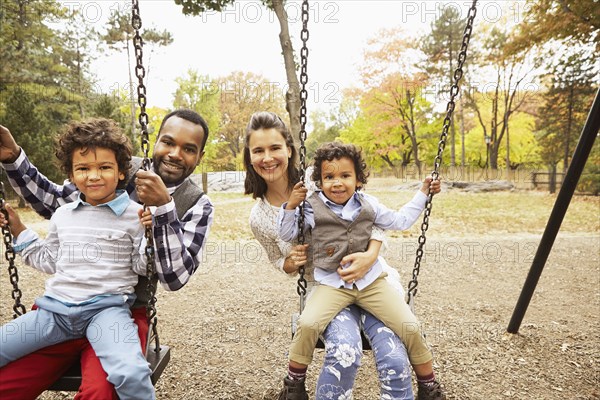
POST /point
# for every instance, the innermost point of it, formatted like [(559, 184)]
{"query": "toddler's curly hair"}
[(336, 150)]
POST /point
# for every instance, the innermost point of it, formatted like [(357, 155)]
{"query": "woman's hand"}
[(359, 264), (297, 258)]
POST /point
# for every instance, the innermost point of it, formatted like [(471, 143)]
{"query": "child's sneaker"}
[(293, 390), (432, 391)]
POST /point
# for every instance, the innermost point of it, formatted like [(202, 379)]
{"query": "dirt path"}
[(228, 329)]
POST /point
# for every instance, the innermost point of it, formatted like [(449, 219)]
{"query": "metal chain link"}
[(302, 284), (9, 254), (454, 90), (140, 72)]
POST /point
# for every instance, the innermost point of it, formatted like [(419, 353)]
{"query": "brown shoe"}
[(433, 391), (293, 390)]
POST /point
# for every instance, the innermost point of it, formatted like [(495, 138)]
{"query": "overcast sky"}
[(245, 38)]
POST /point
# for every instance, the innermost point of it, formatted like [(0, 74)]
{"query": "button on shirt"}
[(385, 218)]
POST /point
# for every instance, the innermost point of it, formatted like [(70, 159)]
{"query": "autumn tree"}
[(240, 95), (201, 93), (392, 100), (502, 93), (566, 104), (561, 20), (323, 130)]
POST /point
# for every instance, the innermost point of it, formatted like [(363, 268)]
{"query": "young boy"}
[(95, 250), (340, 220)]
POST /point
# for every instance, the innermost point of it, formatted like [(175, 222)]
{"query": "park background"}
[(378, 76)]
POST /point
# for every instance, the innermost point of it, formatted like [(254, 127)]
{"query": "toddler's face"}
[(338, 179)]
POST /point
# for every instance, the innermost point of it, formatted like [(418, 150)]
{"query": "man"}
[(182, 218)]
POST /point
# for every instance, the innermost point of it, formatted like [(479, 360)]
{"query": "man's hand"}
[(9, 150), (150, 189)]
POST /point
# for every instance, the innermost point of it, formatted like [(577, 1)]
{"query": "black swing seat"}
[(71, 380), (366, 345), (158, 357)]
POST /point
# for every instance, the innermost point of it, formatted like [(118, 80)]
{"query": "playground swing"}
[(158, 355), (454, 91)]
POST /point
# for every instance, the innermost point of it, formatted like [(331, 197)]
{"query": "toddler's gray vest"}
[(333, 238)]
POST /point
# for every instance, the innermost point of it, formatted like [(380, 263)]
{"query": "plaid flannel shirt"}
[(179, 243)]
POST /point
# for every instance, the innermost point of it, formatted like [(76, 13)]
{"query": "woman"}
[(270, 160)]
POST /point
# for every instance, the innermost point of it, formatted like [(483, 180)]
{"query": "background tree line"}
[(526, 92)]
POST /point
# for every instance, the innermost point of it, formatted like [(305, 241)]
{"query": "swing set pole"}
[(580, 156)]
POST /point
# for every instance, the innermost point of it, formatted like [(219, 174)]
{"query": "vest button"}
[(349, 229)]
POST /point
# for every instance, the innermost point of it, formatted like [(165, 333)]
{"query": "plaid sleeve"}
[(43, 195), (179, 243)]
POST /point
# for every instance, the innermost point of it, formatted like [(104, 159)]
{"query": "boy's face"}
[(177, 149), (96, 174), (338, 179)]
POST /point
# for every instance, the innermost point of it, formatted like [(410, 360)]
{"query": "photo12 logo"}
[(255, 11), (430, 11)]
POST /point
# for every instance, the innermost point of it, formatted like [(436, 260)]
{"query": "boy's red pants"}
[(29, 376)]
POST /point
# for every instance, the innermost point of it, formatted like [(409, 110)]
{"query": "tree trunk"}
[(494, 147), (462, 132), (79, 81), (387, 160), (292, 96), (507, 151), (23, 23), (415, 153), (568, 133), (552, 178), (452, 128), (412, 130), (131, 98)]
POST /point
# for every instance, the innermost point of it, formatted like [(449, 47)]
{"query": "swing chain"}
[(302, 284), (9, 254), (454, 91), (140, 72)]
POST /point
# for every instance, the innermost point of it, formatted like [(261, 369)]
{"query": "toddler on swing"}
[(340, 219)]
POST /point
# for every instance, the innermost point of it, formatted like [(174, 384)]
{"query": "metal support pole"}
[(580, 156)]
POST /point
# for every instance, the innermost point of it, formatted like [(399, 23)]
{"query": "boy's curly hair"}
[(90, 134), (337, 150)]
